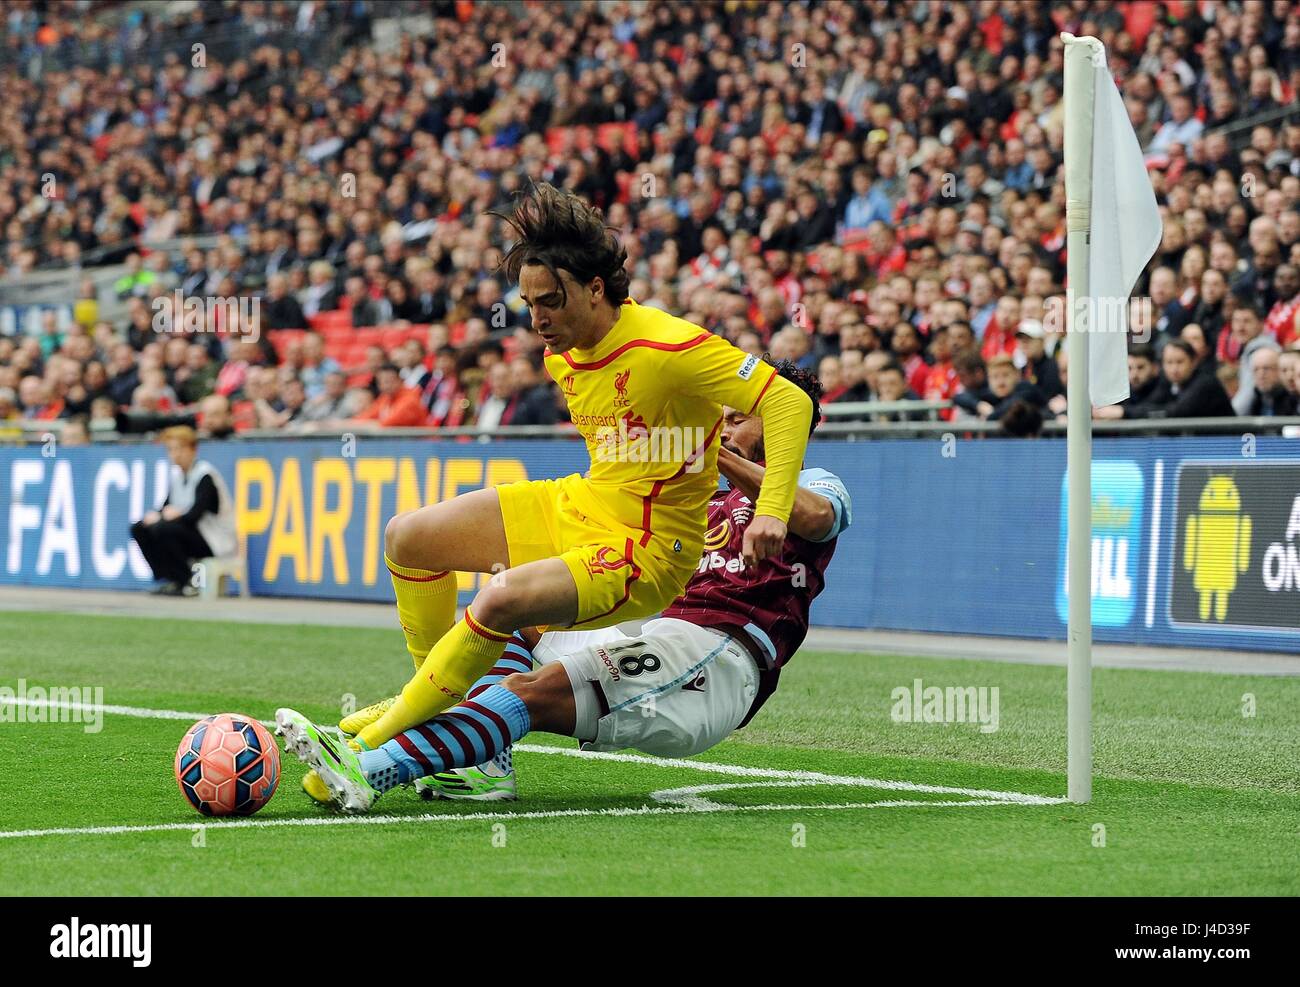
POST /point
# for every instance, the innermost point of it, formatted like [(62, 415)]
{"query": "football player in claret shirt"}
[(671, 686), (583, 551)]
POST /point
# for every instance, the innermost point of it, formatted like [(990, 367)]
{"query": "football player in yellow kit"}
[(645, 390)]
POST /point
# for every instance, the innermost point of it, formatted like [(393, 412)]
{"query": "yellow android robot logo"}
[(1218, 545)]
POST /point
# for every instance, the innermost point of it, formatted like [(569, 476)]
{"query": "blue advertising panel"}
[(1196, 541)]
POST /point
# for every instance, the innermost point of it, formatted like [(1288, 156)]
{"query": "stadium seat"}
[(352, 355), (611, 135), (336, 319)]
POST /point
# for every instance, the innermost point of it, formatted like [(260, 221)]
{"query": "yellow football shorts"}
[(618, 579)]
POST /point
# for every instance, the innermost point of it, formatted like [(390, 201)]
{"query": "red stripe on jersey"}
[(647, 502), (653, 344), (627, 588), (762, 392)]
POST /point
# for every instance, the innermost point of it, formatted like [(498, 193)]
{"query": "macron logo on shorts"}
[(747, 368)]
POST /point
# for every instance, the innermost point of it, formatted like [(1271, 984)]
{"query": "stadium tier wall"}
[(1196, 541)]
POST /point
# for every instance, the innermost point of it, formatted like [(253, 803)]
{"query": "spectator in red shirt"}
[(442, 393), (1283, 320), (231, 377), (941, 382), (396, 405), (906, 346), (35, 397), (828, 372), (884, 254), (1000, 334)]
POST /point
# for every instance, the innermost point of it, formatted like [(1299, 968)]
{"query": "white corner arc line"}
[(807, 777)]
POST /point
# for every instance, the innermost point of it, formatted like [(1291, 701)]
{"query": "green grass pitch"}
[(1191, 796)]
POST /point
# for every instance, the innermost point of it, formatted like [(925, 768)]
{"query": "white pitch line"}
[(643, 810), (735, 770), (691, 803), (815, 777), (137, 711)]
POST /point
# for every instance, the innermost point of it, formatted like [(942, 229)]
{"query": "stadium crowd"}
[(873, 190)]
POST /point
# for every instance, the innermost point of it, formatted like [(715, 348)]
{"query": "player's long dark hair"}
[(806, 381), (558, 230)]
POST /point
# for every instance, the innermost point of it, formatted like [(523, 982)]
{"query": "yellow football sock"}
[(426, 606), (457, 661)]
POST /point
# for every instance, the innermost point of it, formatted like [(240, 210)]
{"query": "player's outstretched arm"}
[(787, 419), (812, 517), (720, 372)]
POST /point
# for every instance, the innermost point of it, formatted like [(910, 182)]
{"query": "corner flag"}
[(1125, 228), (1112, 229)]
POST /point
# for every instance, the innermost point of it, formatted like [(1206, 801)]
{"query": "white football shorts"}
[(673, 688)]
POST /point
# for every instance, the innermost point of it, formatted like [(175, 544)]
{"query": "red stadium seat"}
[(1138, 21), (337, 319), (611, 135), (353, 355), (282, 338)]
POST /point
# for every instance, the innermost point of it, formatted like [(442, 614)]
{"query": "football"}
[(227, 765)]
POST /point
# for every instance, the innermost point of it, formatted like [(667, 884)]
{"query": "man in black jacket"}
[(1270, 396), (1008, 389), (891, 385), (533, 401), (282, 310), (973, 375), (1180, 393), (1210, 313), (1143, 374), (1040, 369)]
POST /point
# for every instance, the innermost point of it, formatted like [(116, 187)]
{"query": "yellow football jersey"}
[(648, 401)]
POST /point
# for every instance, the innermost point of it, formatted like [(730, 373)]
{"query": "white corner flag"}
[(1112, 229), (1106, 181)]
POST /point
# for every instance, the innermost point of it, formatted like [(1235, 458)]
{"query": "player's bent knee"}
[(397, 537), (410, 539), (498, 608), (544, 692), (525, 686), (520, 683)]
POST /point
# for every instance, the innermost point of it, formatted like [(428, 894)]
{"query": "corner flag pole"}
[(1113, 228), (1080, 56)]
